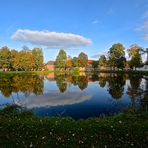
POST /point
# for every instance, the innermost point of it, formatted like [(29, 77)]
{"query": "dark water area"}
[(79, 97)]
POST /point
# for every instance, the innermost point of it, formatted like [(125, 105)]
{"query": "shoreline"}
[(68, 72)]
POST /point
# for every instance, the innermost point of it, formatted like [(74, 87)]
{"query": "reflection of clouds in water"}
[(53, 99)]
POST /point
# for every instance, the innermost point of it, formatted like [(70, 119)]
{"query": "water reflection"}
[(144, 98), (96, 93), (134, 90), (116, 86), (62, 81), (53, 99), (21, 83)]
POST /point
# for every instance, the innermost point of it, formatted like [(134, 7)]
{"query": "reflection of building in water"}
[(50, 76), (105, 75), (105, 68)]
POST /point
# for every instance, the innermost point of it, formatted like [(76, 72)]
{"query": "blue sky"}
[(99, 24)]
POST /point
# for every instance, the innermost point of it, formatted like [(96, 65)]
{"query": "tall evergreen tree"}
[(61, 59), (37, 55)]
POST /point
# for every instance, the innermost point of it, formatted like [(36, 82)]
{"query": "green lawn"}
[(27, 130)]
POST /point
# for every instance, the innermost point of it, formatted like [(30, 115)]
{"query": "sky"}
[(90, 26)]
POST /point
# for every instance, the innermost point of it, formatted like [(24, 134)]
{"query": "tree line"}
[(26, 59), (66, 62), (114, 59)]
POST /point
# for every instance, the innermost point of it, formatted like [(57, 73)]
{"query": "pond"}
[(79, 97)]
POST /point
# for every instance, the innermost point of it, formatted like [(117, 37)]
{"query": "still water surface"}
[(75, 96)]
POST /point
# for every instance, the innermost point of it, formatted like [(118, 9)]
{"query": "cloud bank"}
[(50, 39)]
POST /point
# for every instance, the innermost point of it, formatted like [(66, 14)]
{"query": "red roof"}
[(90, 61)]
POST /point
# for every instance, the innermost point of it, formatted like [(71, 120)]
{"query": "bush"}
[(75, 71)]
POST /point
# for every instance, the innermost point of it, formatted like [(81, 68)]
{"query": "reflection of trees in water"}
[(116, 86), (102, 81), (134, 91), (144, 100), (80, 81), (61, 83), (24, 83), (6, 86)]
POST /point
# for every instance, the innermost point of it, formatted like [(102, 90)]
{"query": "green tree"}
[(121, 62), (83, 59), (26, 60), (75, 62), (116, 52), (37, 55), (61, 59), (134, 54), (95, 64), (15, 57), (102, 60), (68, 63), (5, 58)]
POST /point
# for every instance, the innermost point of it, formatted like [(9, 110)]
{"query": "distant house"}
[(105, 68), (144, 68), (50, 66), (90, 64)]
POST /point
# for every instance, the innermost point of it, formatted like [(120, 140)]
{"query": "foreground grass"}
[(27, 130)]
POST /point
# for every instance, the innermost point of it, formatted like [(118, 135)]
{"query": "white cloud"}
[(144, 30), (144, 27), (50, 39), (95, 22)]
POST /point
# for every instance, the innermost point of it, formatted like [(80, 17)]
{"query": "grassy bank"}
[(137, 72), (61, 72), (24, 72), (27, 130)]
